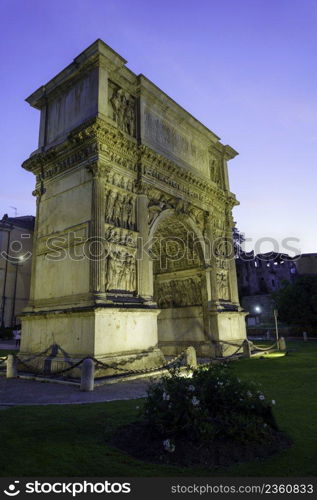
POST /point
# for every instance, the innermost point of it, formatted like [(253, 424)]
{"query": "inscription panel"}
[(167, 137)]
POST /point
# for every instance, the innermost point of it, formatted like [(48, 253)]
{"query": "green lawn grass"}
[(72, 440), (5, 352)]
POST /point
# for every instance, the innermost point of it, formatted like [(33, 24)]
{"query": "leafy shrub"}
[(213, 405)]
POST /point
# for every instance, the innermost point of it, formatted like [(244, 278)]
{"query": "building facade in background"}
[(16, 240), (306, 263), (258, 277)]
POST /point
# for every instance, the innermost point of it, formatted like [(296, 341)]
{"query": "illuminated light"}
[(275, 355), (186, 374), (257, 309)]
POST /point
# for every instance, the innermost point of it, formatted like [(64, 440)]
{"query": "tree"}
[(297, 302), (238, 239)]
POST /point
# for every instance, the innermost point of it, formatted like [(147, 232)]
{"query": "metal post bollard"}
[(11, 366), (246, 348), (281, 344), (87, 375), (305, 337), (191, 359)]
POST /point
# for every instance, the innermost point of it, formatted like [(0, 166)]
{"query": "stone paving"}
[(30, 392), (8, 344)]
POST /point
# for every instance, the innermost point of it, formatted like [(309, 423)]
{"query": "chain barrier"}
[(179, 357), (117, 366), (39, 354), (137, 357), (234, 353), (228, 343), (45, 372), (100, 364), (239, 347), (258, 348)]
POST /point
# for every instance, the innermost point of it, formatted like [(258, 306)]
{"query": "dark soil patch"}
[(137, 440)]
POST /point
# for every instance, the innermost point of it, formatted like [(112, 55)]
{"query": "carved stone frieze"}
[(123, 109), (216, 170), (120, 270), (120, 236), (223, 285), (120, 209), (178, 292)]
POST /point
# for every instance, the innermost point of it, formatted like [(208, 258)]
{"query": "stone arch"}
[(186, 220), (178, 266)]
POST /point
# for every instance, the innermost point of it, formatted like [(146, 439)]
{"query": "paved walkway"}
[(30, 392), (8, 344)]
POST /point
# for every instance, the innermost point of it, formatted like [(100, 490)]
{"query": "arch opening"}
[(179, 283)]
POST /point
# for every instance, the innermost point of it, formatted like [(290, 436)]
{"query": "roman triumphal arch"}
[(133, 240)]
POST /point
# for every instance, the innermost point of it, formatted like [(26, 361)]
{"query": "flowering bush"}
[(213, 405)]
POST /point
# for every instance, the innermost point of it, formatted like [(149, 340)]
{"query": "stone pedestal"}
[(114, 336)]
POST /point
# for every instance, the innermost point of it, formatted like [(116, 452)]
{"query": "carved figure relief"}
[(178, 293), (121, 236), (120, 210), (222, 283), (121, 271), (121, 181), (123, 105), (215, 171)]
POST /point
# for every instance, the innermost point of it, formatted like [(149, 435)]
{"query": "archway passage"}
[(179, 284)]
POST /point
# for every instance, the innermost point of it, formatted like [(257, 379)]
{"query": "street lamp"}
[(276, 326), (18, 262), (257, 310)]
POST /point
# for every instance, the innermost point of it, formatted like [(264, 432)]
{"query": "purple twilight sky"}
[(245, 68)]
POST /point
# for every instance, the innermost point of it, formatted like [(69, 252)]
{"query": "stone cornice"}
[(98, 141), (176, 177), (97, 54)]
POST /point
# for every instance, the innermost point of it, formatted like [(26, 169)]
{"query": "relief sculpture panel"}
[(178, 293), (123, 109), (223, 285), (120, 271), (120, 209)]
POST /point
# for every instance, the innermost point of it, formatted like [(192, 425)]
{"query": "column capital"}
[(98, 169)]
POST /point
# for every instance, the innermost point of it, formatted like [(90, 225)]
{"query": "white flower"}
[(249, 393), (191, 388), (261, 397), (273, 401), (195, 401), (166, 396), (168, 445), (170, 405), (264, 425), (137, 407)]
